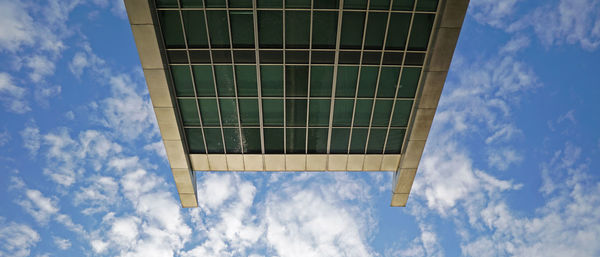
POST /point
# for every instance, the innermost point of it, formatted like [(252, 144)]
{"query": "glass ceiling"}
[(300, 80)]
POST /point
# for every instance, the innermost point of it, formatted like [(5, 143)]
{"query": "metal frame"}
[(448, 20)]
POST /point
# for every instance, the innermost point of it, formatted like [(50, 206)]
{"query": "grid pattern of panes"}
[(295, 76)]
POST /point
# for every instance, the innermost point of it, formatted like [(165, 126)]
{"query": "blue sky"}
[(510, 168)]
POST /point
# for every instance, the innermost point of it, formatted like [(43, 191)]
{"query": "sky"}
[(511, 166)]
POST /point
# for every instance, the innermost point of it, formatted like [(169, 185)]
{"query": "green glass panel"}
[(362, 115), (398, 31), (189, 112), (342, 112), (249, 112), (296, 80), (273, 140), (225, 85), (171, 28), (324, 29), (359, 140), (388, 79), (401, 113), (321, 79), (376, 141), (214, 140), (355, 4), (297, 4), (317, 140), (295, 140), (379, 5), (240, 4), (195, 140), (270, 29), (166, 3), (409, 82), (339, 140), (394, 141), (209, 111), (297, 29), (382, 113), (295, 111), (403, 5), (319, 112), (191, 3), (352, 30), (375, 30), (326, 4), (232, 140), (216, 4), (270, 3), (272, 112), (271, 78), (242, 28), (228, 112), (204, 80), (346, 81), (246, 80), (251, 140), (218, 28), (419, 35), (195, 31), (183, 80), (427, 5), (368, 80)]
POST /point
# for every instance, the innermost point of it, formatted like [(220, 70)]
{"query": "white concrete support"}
[(449, 19), (144, 29)]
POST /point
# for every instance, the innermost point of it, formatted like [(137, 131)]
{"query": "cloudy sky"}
[(511, 167)]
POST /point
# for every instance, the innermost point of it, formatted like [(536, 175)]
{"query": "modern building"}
[(295, 85)]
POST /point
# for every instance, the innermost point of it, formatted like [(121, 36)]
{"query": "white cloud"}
[(62, 243), (31, 138), (4, 137), (12, 96), (503, 158), (127, 112), (40, 207), (158, 148), (568, 21), (515, 44), (17, 26), (492, 12), (40, 67), (16, 239)]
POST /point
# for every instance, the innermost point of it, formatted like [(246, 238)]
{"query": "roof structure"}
[(295, 85)]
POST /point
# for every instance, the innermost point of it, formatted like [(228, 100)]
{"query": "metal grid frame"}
[(340, 11)]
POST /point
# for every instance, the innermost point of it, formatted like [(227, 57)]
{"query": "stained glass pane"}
[(195, 140), (171, 28), (339, 140), (368, 80), (375, 30), (317, 140), (204, 80), (270, 29), (272, 112), (387, 82), (376, 141), (297, 29), (324, 29), (251, 140), (352, 30), (382, 113), (379, 4), (419, 35), (271, 80), (342, 112), (296, 80), (394, 141), (183, 80), (403, 5), (228, 112), (295, 110), (245, 76), (399, 24), (409, 82), (242, 28), (355, 4), (214, 140), (193, 22), (359, 140), (319, 112), (362, 115), (189, 112), (225, 85), (218, 28), (295, 140), (232, 140), (249, 112), (321, 79), (270, 3), (401, 113), (209, 111), (346, 81), (273, 140)]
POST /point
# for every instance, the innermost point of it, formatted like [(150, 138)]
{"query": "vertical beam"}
[(444, 36), (144, 26)]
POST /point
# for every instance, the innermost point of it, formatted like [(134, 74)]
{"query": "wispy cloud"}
[(16, 239)]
